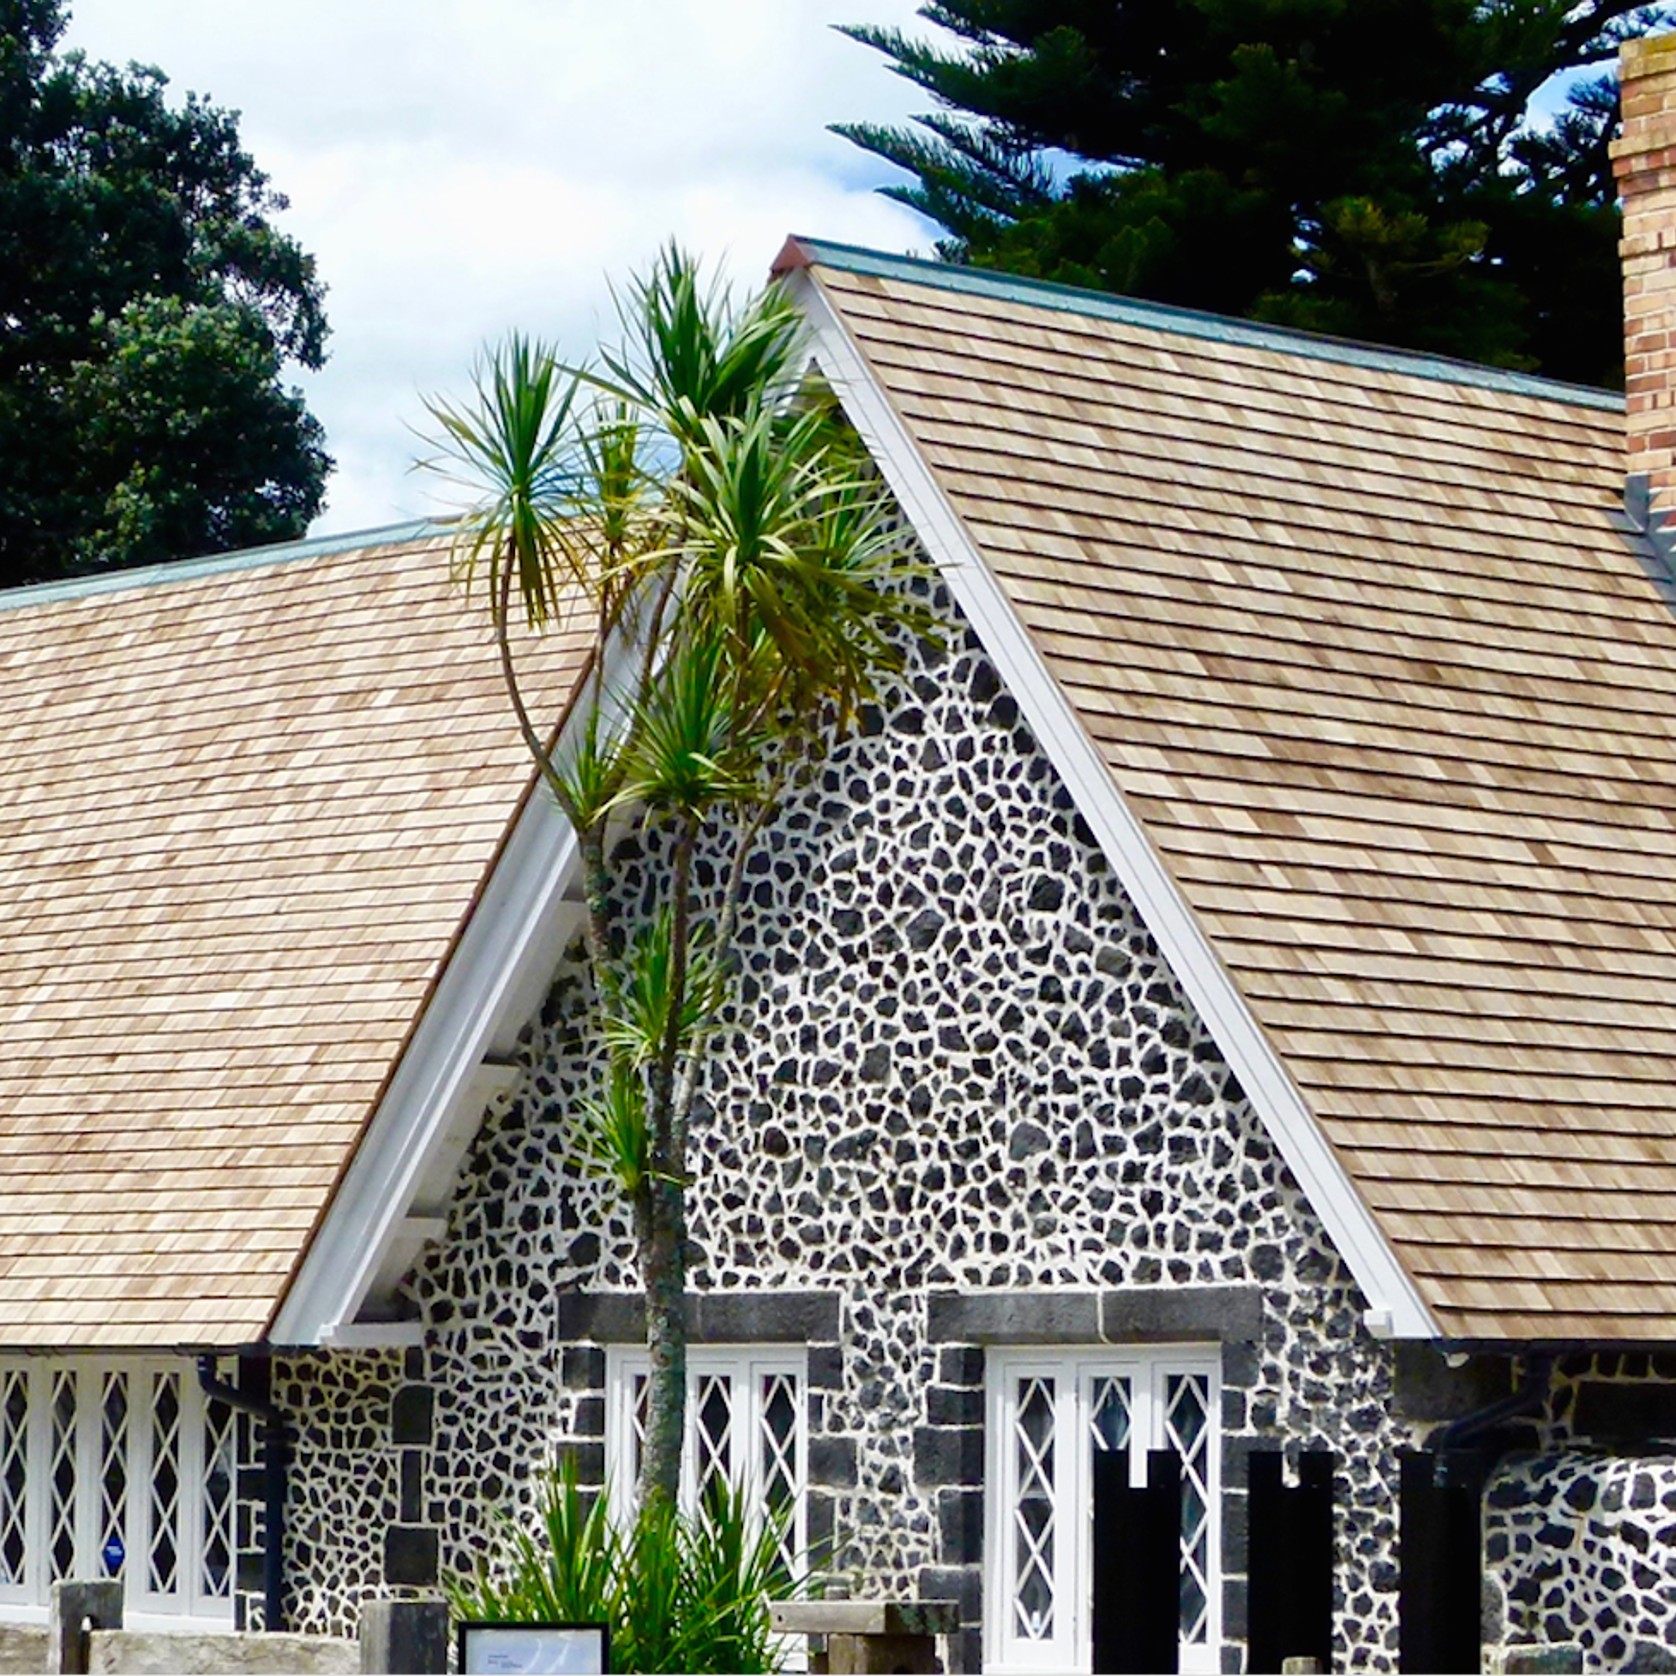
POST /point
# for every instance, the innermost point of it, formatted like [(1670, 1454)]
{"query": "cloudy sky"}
[(462, 167)]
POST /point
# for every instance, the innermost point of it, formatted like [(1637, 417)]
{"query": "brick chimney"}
[(1644, 161)]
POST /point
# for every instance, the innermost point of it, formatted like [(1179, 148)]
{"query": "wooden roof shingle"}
[(1368, 647), (245, 808)]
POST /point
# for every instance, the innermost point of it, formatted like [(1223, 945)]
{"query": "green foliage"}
[(514, 439), (679, 1593), (652, 1007), (709, 520), (1367, 167), (148, 310), (688, 355)]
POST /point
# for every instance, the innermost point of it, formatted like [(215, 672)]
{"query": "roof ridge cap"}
[(215, 564), (1191, 322)]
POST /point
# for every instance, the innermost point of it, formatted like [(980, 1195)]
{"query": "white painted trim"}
[(1276, 1097), (506, 955), (1073, 1368), (374, 1335)]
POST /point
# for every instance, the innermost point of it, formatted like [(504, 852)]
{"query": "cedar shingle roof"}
[(1368, 648), (245, 806)]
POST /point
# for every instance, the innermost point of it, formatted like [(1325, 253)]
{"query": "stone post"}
[(409, 1637), (75, 1609)]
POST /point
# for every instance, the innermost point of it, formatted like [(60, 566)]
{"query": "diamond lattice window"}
[(113, 1472), (744, 1427), (117, 1469), (1050, 1413), (61, 1478), (14, 1476)]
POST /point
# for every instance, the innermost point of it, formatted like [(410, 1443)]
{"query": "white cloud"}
[(461, 167)]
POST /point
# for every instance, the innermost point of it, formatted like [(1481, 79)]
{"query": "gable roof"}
[(246, 806), (1374, 662)]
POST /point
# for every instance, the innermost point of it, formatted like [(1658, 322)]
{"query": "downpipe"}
[(275, 1467), (1450, 1443)]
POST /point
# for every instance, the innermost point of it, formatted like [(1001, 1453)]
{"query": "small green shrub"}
[(680, 1593)]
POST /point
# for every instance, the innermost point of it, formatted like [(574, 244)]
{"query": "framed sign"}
[(513, 1649)]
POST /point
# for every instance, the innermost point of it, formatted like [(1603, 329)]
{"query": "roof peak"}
[(1101, 305), (215, 564)]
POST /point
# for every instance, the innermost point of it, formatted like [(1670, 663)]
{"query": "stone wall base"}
[(23, 1649), (122, 1652)]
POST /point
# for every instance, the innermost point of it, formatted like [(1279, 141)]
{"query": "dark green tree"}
[(148, 312), (1374, 168)]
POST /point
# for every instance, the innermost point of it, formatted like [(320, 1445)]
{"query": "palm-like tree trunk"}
[(663, 1274), (758, 583)]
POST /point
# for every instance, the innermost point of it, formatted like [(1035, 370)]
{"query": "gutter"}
[(275, 1467), (1450, 1441)]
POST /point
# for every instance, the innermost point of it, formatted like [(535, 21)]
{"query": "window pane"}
[(714, 1440), (61, 1475), (1187, 1431), (14, 1471), (778, 1443), (1109, 1413), (639, 1409), (744, 1427), (165, 1482), (220, 1450), (1033, 1516), (113, 1471)]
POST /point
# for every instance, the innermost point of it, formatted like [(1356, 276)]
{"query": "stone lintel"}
[(1114, 1315), (769, 1316)]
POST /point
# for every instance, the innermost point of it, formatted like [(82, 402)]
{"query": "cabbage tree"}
[(696, 503)]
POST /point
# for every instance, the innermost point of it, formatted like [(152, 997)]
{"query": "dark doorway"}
[(1442, 1564), (1136, 1620), (1291, 1561)]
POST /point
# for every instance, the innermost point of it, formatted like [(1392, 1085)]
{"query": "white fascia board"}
[(507, 953), (375, 1335), (1395, 1307)]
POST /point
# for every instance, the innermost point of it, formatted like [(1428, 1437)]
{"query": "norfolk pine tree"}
[(1370, 168)]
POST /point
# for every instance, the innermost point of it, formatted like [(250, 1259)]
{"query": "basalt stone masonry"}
[(1580, 1535), (957, 1063)]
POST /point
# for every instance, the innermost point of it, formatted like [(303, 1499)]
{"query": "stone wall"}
[(957, 1061), (23, 1647), (185, 1653), (1580, 1535)]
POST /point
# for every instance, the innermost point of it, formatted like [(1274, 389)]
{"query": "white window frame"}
[(1073, 1371), (26, 1600), (746, 1366)]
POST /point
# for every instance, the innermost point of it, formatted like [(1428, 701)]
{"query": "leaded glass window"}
[(744, 1426), (14, 1475), (1049, 1414), (711, 1431), (1187, 1431), (780, 1448), (1033, 1508), (61, 1479), (114, 1444), (163, 1546), (117, 1469), (217, 1506)]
